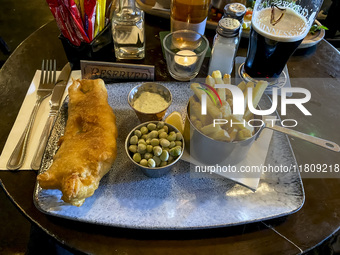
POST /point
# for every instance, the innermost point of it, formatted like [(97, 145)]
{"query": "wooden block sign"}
[(116, 71)]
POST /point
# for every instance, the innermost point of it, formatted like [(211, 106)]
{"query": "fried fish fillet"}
[(88, 147)]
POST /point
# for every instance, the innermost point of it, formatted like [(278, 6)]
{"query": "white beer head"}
[(290, 28)]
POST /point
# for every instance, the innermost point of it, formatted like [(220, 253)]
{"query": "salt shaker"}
[(225, 46), (235, 11)]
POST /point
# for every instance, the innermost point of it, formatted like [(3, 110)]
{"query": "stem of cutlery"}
[(35, 164), (18, 155), (315, 140)]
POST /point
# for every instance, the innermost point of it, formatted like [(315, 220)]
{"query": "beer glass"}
[(277, 29)]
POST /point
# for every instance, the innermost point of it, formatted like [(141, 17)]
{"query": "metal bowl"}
[(211, 152), (154, 88), (156, 171)]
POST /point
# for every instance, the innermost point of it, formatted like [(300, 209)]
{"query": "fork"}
[(47, 82)]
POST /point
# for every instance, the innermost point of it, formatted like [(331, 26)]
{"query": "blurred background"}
[(19, 19)]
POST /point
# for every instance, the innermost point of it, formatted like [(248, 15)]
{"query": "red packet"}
[(80, 6), (75, 20), (90, 17), (60, 14)]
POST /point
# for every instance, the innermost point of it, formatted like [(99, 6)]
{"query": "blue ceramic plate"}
[(127, 198)]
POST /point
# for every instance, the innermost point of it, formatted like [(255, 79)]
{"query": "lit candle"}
[(185, 58)]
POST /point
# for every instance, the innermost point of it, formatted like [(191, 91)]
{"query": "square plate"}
[(127, 198)]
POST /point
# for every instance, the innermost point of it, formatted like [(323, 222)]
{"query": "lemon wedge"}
[(175, 119), (246, 24)]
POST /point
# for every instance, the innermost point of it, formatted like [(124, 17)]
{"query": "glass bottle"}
[(128, 31), (224, 46), (189, 15)]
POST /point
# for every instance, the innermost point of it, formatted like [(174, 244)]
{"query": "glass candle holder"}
[(184, 52)]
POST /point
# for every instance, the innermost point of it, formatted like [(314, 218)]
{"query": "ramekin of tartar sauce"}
[(150, 101)]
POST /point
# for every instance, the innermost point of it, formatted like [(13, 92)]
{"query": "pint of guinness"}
[(278, 28)]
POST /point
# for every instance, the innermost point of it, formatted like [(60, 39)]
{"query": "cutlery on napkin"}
[(22, 119), (55, 101)]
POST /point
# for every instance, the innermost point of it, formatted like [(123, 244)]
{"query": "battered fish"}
[(88, 147)]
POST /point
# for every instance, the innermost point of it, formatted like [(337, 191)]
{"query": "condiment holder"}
[(99, 49), (151, 87)]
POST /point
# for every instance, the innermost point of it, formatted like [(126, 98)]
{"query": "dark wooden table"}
[(317, 220)]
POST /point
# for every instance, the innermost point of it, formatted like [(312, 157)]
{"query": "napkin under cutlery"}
[(22, 119)]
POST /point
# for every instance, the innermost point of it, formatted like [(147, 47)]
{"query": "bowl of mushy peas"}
[(155, 147)]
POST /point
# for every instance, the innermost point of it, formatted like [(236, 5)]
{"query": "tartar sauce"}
[(149, 102)]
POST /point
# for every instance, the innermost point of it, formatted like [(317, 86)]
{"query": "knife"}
[(57, 95)]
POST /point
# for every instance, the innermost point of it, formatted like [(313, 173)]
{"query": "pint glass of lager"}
[(277, 29)]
